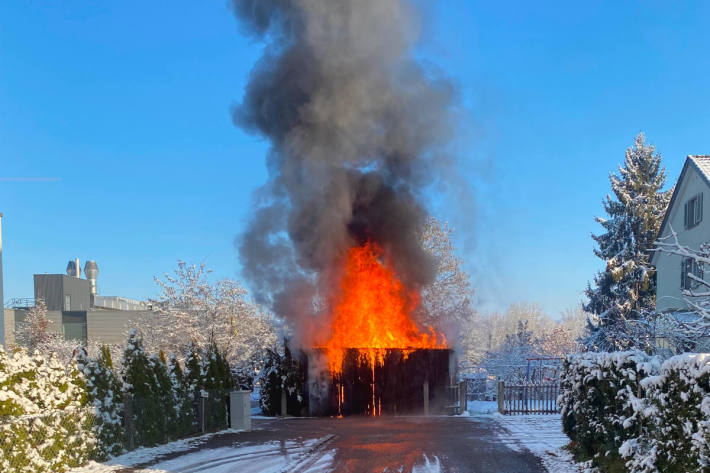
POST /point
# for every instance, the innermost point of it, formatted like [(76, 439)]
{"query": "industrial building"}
[(74, 307)]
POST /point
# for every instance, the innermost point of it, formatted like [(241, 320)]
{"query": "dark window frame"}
[(688, 266), (693, 211)]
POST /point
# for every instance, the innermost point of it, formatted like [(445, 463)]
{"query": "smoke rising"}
[(358, 128)]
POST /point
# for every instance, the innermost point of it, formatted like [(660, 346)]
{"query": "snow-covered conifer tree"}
[(282, 373), (164, 396), (182, 400), (194, 373), (217, 381), (625, 290), (104, 394), (140, 385)]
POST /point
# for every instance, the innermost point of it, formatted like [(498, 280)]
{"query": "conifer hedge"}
[(282, 373), (627, 412), (54, 416)]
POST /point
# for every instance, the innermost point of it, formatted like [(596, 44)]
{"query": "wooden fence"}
[(528, 398)]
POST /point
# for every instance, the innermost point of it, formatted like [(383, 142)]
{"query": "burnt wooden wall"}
[(397, 387)]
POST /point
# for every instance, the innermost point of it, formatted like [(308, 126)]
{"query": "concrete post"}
[(463, 400), (501, 394), (284, 404), (426, 398), (2, 299), (240, 410), (201, 411)]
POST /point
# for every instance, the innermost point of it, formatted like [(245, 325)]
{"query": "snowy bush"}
[(185, 420), (56, 415), (282, 373), (103, 391), (143, 396), (679, 415), (45, 425), (602, 399), (217, 381)]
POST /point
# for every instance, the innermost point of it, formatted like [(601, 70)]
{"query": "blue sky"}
[(127, 105)]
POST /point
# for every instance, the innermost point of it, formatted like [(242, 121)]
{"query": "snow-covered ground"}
[(482, 407), (540, 434), (144, 455), (309, 456), (270, 457)]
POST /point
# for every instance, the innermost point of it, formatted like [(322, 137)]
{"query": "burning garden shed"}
[(359, 130)]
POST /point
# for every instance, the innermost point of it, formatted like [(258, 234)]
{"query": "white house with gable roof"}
[(687, 217)]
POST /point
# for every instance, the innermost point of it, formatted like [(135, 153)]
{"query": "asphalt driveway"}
[(354, 445)]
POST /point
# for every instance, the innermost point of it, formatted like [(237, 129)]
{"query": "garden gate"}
[(528, 398)]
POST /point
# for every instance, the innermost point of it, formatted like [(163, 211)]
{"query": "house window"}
[(694, 211), (67, 302), (689, 266)]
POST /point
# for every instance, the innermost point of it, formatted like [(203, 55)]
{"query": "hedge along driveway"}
[(626, 412)]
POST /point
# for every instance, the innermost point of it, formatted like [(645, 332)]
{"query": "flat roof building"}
[(75, 309)]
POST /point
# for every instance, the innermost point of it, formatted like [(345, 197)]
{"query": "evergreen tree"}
[(282, 373), (269, 381), (625, 291), (185, 415), (139, 382), (217, 381), (193, 370), (163, 396), (103, 392)]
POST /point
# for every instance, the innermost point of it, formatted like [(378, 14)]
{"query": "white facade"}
[(694, 180)]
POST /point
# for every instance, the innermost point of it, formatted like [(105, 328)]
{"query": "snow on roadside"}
[(146, 454), (540, 434), (482, 407), (268, 457)]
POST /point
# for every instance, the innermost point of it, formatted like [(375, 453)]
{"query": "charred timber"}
[(394, 385)]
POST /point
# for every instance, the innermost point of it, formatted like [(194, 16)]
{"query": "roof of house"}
[(701, 163)]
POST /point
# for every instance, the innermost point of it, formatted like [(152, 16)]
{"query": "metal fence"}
[(537, 398), (145, 423), (57, 440), (48, 442)]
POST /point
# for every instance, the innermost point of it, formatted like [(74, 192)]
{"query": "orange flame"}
[(372, 310)]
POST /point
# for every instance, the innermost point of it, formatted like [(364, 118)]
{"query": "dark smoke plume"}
[(357, 127)]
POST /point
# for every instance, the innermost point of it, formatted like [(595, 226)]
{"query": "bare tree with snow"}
[(190, 309), (687, 333), (34, 334), (446, 303)]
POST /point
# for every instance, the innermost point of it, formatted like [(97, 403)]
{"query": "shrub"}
[(140, 384), (185, 421), (163, 395), (44, 425), (104, 393), (217, 381), (601, 401), (282, 373), (679, 414)]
